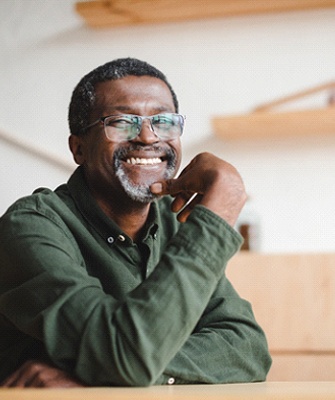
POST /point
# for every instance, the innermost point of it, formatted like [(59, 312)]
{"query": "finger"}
[(7, 382), (173, 186), (63, 379), (164, 187), (25, 376), (181, 199), (186, 211), (34, 381), (16, 379)]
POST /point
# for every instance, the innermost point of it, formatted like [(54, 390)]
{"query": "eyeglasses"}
[(124, 127)]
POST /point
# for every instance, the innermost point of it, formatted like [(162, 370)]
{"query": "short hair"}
[(84, 96)]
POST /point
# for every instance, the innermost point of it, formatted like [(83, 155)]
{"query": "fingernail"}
[(156, 187)]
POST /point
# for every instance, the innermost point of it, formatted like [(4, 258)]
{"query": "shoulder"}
[(44, 202), (30, 202)]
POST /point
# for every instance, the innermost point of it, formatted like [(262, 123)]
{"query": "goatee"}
[(141, 192)]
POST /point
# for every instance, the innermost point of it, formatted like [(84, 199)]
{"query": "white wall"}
[(219, 66)]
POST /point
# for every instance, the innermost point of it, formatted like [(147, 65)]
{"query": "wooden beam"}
[(34, 151), (111, 13)]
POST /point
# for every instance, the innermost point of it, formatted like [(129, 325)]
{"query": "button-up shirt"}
[(76, 291)]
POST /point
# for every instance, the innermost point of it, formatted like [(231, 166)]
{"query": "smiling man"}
[(117, 278)]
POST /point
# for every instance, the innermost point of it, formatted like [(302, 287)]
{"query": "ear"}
[(76, 147)]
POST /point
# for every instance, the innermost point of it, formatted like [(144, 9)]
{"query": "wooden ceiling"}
[(113, 13)]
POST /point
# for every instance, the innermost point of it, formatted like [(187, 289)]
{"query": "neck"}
[(128, 214)]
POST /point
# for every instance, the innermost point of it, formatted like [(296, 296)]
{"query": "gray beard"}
[(142, 193)]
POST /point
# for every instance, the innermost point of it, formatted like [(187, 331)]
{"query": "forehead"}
[(134, 91)]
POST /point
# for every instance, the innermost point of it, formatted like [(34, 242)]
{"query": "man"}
[(101, 283)]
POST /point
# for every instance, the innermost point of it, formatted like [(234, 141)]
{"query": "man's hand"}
[(38, 374), (213, 182)]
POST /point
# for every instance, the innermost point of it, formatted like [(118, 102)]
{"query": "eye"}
[(122, 124), (163, 120), (119, 122)]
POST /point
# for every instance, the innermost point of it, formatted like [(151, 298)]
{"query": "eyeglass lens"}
[(126, 127)]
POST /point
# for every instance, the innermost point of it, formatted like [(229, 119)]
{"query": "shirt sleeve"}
[(48, 296), (226, 346)]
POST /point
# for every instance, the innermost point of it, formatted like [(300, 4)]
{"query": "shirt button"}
[(155, 236), (121, 238), (171, 381), (110, 239)]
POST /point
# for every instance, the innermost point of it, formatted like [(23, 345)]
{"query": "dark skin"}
[(34, 373), (213, 182)]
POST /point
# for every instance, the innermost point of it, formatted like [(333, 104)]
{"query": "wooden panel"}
[(302, 368), (292, 297), (293, 300), (284, 124), (110, 13)]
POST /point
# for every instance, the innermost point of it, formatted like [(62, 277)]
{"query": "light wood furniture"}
[(253, 391), (293, 297), (260, 125), (266, 121), (112, 13)]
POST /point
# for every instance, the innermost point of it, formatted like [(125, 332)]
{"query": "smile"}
[(143, 161)]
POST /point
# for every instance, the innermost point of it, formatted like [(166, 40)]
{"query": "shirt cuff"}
[(208, 237)]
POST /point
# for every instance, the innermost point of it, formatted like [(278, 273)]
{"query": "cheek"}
[(100, 151)]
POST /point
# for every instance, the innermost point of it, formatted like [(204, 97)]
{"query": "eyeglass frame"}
[(141, 118)]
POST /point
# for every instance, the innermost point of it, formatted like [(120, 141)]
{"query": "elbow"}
[(250, 369), (139, 374), (260, 363), (265, 365), (137, 371), (253, 362), (262, 368)]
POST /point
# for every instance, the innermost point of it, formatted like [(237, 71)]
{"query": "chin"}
[(139, 193)]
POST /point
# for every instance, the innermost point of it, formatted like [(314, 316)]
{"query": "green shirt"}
[(77, 291)]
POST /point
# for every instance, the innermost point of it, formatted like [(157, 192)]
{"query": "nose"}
[(146, 135)]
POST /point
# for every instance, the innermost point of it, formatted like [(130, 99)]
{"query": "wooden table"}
[(254, 391)]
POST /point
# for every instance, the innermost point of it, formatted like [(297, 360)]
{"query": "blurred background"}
[(218, 67)]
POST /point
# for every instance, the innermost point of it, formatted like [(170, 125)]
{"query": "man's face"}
[(113, 169)]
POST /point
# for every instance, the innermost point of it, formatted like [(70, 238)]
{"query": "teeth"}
[(143, 161)]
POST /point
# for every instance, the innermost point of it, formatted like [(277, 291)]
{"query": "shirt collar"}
[(94, 215)]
